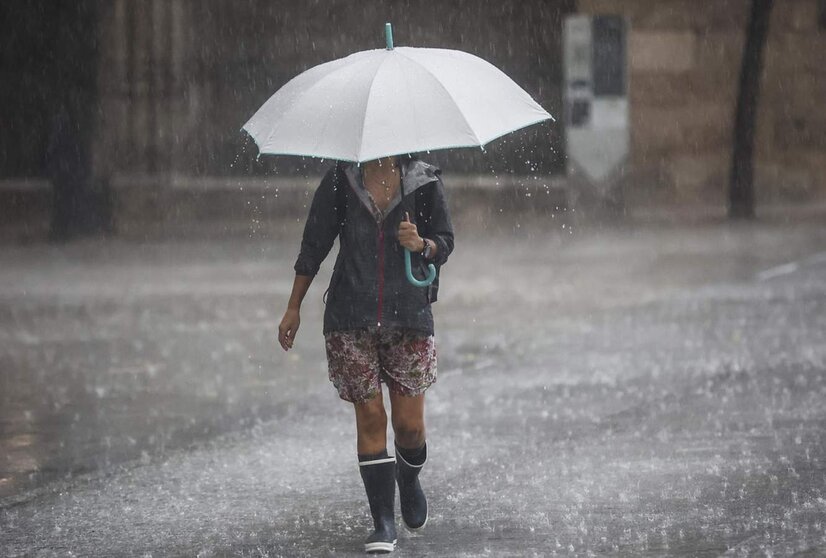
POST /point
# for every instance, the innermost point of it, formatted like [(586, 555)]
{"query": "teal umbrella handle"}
[(409, 270)]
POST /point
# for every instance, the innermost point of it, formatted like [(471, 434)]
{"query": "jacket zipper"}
[(381, 271)]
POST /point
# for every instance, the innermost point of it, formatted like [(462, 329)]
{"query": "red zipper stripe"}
[(381, 272)]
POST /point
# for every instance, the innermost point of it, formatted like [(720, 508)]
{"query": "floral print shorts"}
[(360, 359)]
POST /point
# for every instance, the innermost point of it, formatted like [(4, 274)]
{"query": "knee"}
[(372, 417), (409, 433)]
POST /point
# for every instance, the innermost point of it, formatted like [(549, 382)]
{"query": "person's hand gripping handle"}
[(410, 239)]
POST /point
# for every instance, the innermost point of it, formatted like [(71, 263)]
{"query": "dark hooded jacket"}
[(368, 287)]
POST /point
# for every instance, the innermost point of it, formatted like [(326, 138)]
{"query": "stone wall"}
[(684, 62), (791, 142)]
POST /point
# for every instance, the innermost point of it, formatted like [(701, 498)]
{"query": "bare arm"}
[(292, 318), (320, 231)]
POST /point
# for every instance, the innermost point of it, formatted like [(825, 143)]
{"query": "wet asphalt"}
[(631, 390)]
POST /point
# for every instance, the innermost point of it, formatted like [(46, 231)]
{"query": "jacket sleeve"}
[(320, 229), (440, 229)]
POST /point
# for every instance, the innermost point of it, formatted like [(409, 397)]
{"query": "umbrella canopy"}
[(392, 101)]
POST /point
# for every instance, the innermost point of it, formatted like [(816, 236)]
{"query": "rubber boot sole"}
[(380, 547), (420, 527)]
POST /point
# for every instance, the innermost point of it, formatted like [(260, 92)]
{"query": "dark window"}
[(609, 55), (821, 13), (580, 112)]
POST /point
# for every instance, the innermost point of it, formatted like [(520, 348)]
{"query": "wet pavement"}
[(639, 390)]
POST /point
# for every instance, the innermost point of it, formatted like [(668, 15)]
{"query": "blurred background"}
[(124, 116), (648, 271)]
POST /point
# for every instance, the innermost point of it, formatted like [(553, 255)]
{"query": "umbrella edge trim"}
[(359, 161)]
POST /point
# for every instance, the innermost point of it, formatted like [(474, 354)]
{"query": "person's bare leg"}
[(371, 426), (407, 414)]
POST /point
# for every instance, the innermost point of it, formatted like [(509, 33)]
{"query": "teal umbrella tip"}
[(388, 35)]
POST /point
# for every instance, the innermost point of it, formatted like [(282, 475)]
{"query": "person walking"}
[(378, 327)]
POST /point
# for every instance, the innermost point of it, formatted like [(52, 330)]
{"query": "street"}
[(629, 390)]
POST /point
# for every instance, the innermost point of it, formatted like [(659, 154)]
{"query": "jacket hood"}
[(414, 175), (417, 173)]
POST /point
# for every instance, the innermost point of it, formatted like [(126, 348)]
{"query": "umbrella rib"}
[(275, 128), (313, 86), (330, 115), (367, 105), (447, 92)]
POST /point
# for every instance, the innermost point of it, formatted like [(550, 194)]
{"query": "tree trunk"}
[(741, 188)]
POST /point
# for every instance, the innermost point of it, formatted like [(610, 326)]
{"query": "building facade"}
[(684, 65)]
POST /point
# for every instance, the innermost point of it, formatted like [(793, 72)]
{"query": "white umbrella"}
[(392, 101)]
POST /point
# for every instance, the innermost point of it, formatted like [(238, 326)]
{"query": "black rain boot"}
[(381, 494), (411, 497)]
